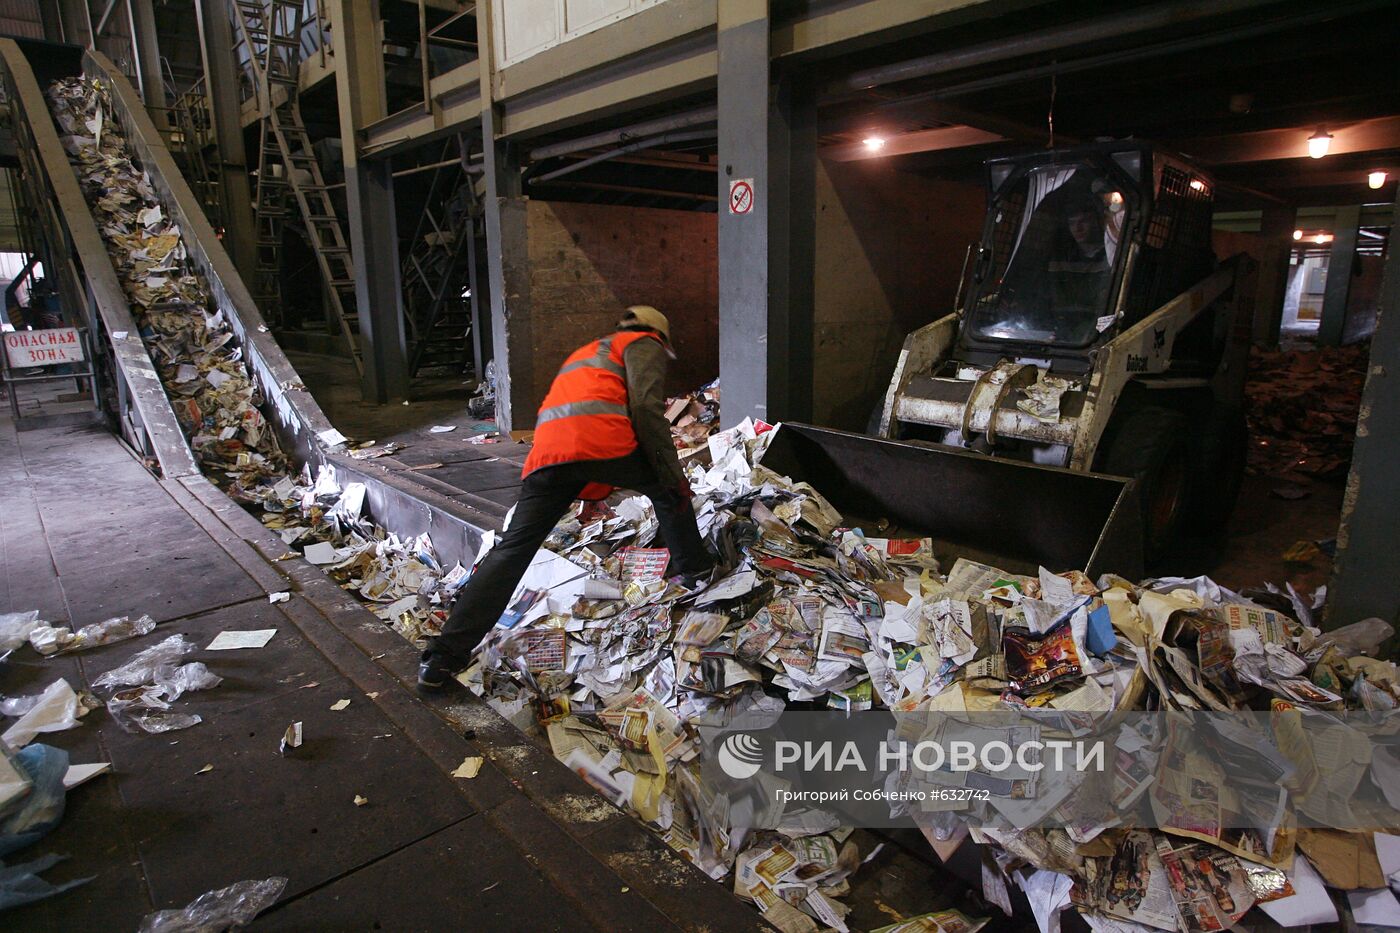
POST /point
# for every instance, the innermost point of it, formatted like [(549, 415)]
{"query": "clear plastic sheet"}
[(229, 908), (1363, 637), (111, 631), (51, 640), (56, 709), (18, 706), (142, 668), (148, 706), (15, 628)]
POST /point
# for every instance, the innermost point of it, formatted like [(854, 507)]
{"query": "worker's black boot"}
[(436, 671)]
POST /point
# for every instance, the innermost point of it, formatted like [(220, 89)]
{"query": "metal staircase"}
[(194, 132), (270, 32), (436, 272)]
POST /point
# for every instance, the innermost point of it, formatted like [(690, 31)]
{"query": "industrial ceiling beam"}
[(1047, 40), (1376, 135), (944, 137)]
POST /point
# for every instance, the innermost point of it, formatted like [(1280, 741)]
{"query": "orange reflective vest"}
[(585, 416)]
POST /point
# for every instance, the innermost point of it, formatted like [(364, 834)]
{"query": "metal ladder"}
[(435, 272), (271, 30), (195, 127)]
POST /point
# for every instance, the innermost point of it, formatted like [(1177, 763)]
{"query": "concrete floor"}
[(87, 533), (438, 399)]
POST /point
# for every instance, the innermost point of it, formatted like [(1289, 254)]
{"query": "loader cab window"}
[(1054, 241)]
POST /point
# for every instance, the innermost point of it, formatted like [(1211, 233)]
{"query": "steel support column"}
[(77, 22), (141, 20), (1345, 230), (1366, 579), (1276, 248), (507, 255), (52, 20), (221, 86), (767, 148), (369, 197)]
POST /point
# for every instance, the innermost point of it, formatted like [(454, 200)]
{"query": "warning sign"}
[(43, 347), (741, 196)]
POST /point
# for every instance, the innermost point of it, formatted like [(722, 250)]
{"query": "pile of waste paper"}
[(1302, 407), (693, 418), (618, 665)]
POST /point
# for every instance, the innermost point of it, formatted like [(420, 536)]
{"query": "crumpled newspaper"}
[(1042, 400)]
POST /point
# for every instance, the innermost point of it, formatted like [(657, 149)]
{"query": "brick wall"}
[(889, 253), (588, 262)]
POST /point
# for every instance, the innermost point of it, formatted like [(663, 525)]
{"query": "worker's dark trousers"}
[(544, 498)]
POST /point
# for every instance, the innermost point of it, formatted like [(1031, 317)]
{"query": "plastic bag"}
[(18, 706), (21, 884), (54, 710), (110, 631), (141, 669), (15, 628), (225, 909), (1362, 637), (191, 676), (50, 639), (148, 705), (141, 707), (42, 808)]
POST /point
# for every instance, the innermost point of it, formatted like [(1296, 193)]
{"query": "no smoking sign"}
[(741, 196)]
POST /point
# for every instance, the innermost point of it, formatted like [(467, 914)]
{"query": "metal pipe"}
[(1049, 40), (102, 20), (678, 121), (472, 168), (423, 55), (679, 137), (635, 189)]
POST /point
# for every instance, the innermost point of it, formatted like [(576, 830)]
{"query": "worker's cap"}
[(647, 316)]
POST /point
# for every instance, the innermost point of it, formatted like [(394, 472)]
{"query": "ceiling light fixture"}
[(1319, 143), (1323, 238), (1297, 234), (1376, 180), (874, 143)]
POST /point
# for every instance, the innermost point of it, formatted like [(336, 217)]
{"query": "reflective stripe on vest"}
[(579, 408), (598, 360)]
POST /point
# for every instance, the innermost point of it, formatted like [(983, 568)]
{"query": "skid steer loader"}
[(1094, 331)]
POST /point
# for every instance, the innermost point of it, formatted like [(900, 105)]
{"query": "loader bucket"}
[(1006, 513)]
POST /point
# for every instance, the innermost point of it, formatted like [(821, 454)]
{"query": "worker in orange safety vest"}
[(602, 426)]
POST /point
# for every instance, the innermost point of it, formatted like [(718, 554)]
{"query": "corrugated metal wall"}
[(21, 18)]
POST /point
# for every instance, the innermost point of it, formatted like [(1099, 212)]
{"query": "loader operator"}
[(601, 426), (1080, 271), (1058, 283)]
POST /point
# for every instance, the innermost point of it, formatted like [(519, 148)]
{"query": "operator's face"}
[(1081, 226)]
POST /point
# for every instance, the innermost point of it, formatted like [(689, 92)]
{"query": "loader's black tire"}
[(1152, 445), (1222, 447)]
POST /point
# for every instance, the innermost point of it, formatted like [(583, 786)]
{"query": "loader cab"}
[(1079, 244)]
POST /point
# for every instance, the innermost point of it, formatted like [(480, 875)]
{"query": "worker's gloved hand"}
[(684, 490)]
